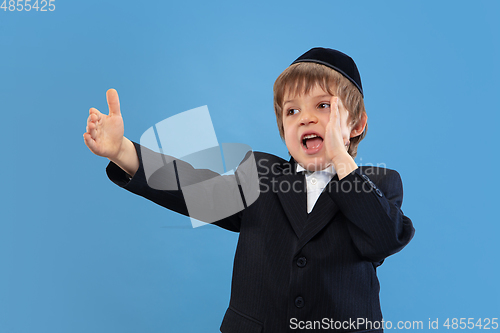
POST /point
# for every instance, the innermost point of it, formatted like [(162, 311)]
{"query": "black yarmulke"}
[(336, 60)]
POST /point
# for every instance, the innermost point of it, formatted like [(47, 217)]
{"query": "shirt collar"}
[(329, 170)]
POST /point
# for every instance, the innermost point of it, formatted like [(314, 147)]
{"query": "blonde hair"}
[(300, 78)]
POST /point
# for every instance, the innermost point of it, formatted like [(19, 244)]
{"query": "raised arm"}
[(104, 136)]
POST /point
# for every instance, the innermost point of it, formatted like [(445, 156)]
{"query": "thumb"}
[(113, 102)]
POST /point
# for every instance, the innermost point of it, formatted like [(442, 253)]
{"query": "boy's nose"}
[(308, 117)]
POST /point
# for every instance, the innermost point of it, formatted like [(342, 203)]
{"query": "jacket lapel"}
[(323, 212), (293, 198), (292, 194)]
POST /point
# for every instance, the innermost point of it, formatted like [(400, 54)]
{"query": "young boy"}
[(306, 255)]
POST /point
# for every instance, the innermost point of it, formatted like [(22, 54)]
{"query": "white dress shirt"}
[(315, 183)]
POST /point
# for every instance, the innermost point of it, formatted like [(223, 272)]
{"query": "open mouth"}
[(312, 142)]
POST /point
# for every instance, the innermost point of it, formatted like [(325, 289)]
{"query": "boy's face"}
[(305, 118)]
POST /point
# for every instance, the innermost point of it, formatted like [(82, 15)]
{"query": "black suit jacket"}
[(291, 268)]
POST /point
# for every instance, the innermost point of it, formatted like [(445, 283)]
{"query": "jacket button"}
[(379, 192), (299, 302), (365, 177), (301, 262)]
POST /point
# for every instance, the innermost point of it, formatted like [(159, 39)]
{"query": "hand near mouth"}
[(337, 139)]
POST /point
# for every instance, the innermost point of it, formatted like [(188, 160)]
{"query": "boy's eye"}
[(324, 105), (292, 111)]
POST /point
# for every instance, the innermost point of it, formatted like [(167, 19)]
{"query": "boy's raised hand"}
[(337, 133), (337, 139), (104, 136)]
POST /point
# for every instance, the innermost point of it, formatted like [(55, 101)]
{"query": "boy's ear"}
[(359, 127)]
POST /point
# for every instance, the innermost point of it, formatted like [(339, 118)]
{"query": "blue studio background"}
[(79, 254)]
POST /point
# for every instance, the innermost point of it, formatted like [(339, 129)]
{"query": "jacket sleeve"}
[(165, 187), (371, 200)]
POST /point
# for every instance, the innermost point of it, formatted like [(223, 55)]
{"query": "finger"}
[(89, 122), (97, 113), (88, 141), (344, 113), (113, 102), (343, 118), (94, 111), (89, 119), (337, 112), (94, 118), (333, 109), (91, 130)]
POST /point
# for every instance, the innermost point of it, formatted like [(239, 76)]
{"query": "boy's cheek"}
[(292, 149), (286, 137), (289, 147), (289, 142)]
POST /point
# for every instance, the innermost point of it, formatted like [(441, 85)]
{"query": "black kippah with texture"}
[(336, 60)]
